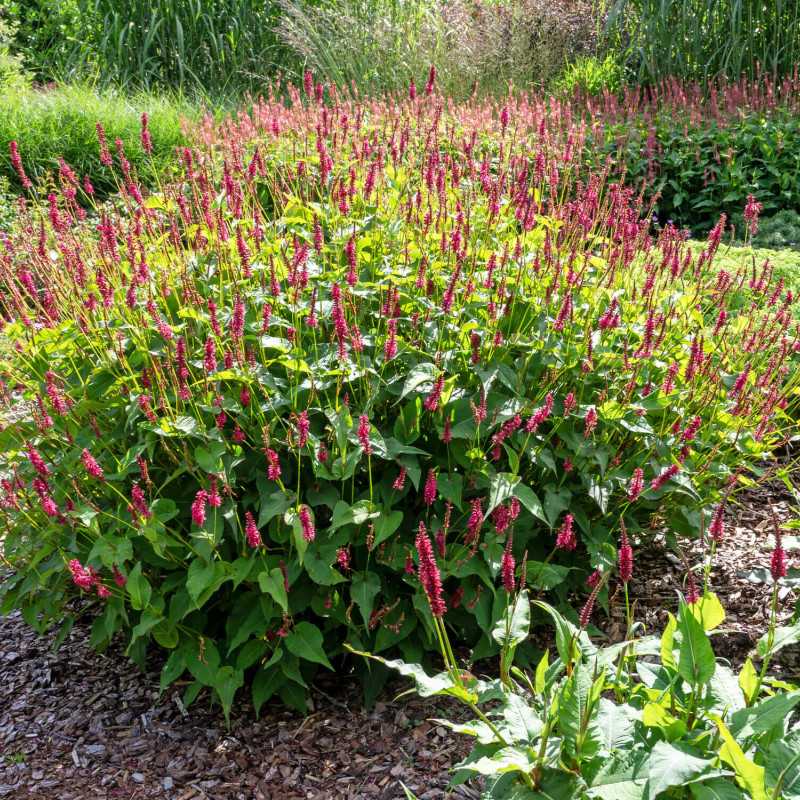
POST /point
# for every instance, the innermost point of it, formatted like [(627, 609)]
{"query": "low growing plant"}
[(641, 718), (230, 407)]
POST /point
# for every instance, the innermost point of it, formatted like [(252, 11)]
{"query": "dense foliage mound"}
[(232, 406)]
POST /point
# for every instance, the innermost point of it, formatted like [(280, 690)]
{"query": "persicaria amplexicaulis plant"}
[(239, 402)]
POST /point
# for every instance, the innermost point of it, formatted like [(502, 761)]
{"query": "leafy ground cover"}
[(136, 742)]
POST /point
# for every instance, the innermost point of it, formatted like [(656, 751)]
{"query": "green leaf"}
[(763, 716), (272, 583), (569, 641), (506, 759), (272, 504), (784, 635), (420, 377), (292, 519), (668, 642), (542, 575), (716, 789), (749, 775), (305, 641), (364, 589), (556, 501), (138, 587), (724, 694), (226, 683), (540, 679), (166, 634), (696, 662), (209, 458), (357, 514), (748, 680), (203, 579), (265, 684), (783, 768), (426, 685), (387, 524), (501, 487), (450, 485), (521, 724), (530, 501), (708, 611), (670, 766), (514, 626)]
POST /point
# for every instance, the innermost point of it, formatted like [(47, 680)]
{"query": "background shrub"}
[(238, 402), (60, 122), (377, 45), (706, 39)]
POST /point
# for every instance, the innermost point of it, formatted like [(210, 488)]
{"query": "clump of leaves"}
[(231, 407), (642, 718)]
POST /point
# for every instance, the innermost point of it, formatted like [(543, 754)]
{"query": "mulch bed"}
[(76, 724)]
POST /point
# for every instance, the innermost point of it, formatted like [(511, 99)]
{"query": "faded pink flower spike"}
[(81, 576)]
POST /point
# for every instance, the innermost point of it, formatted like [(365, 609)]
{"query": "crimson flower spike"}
[(429, 575), (625, 555), (777, 565)]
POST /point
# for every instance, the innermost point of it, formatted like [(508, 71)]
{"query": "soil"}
[(76, 724)]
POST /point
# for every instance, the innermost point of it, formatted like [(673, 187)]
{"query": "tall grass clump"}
[(245, 413), (702, 39), (380, 45), (218, 49), (60, 122)]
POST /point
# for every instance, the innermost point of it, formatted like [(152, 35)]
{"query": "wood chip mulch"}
[(76, 724)]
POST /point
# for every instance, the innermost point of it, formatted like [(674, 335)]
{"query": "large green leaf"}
[(696, 662), (138, 588), (501, 487), (784, 635), (749, 775), (305, 641), (364, 588), (763, 716), (272, 583), (783, 767), (670, 765)]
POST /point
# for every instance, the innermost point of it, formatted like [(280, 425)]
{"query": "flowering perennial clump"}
[(357, 358)]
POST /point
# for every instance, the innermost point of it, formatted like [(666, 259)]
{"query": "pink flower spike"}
[(429, 493), (307, 524), (429, 575), (508, 567), (81, 576), (199, 508), (625, 557), (363, 434), (566, 539), (92, 467), (251, 530), (636, 485)]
